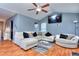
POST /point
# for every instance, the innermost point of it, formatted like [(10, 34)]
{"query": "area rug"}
[(75, 54), (43, 46)]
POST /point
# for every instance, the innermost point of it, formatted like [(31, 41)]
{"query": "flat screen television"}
[(55, 18)]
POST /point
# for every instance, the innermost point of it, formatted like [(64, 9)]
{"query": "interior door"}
[(1, 31)]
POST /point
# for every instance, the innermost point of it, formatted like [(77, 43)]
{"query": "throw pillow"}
[(70, 36), (25, 35), (63, 36), (34, 34), (39, 33), (30, 35), (48, 34)]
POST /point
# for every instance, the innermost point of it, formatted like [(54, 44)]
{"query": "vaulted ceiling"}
[(4, 14), (9, 9)]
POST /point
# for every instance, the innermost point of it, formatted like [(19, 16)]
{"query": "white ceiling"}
[(10, 9)]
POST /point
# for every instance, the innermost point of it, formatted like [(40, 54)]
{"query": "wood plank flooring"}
[(8, 48)]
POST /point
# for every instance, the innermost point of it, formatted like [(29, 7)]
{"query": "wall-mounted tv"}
[(55, 18)]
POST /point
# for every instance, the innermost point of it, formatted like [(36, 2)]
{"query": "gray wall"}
[(67, 25), (23, 23)]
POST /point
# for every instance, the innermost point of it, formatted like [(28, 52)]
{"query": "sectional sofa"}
[(27, 43)]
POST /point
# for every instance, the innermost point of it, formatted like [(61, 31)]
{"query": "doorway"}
[(11, 30), (1, 31)]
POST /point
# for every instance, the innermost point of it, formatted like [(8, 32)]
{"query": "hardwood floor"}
[(8, 48)]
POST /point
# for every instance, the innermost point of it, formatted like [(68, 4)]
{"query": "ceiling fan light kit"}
[(39, 9)]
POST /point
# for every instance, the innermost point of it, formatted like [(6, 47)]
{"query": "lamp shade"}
[(75, 21)]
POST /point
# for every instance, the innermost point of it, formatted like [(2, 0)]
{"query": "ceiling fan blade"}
[(44, 10), (37, 12), (30, 9), (34, 4), (45, 5)]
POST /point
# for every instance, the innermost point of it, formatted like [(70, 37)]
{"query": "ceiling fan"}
[(39, 8)]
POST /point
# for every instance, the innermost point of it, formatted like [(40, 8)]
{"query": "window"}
[(43, 27)]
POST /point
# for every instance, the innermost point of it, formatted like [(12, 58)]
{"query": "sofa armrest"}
[(75, 39)]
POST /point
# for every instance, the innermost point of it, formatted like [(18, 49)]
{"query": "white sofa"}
[(27, 43), (69, 43)]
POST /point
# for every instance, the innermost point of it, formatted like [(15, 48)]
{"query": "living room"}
[(36, 33)]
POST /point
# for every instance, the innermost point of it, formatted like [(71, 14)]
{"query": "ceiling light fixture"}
[(38, 9)]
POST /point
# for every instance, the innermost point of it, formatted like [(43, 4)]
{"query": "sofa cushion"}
[(51, 38), (63, 36), (25, 35), (30, 35), (29, 41), (19, 35)]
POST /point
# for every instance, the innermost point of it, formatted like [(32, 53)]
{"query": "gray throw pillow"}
[(70, 37)]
